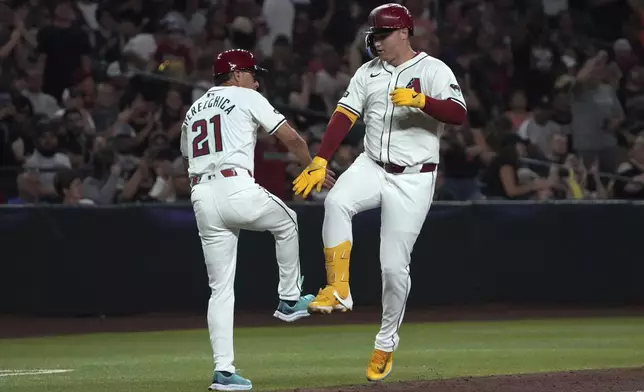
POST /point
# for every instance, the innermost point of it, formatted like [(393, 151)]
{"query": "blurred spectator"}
[(107, 39), (538, 128), (180, 182), (490, 75), (270, 165), (282, 65), (75, 138), (202, 77), (163, 188), (172, 56), (106, 110), (342, 159), (502, 176), (330, 82), (624, 56), (242, 33), (28, 189), (463, 153), (17, 127), (140, 49), (45, 160), (304, 34), (279, 16), (580, 182), (41, 102), (64, 50), (100, 185), (518, 109), (139, 184), (170, 116), (119, 75), (69, 186), (558, 151), (597, 115), (633, 169)]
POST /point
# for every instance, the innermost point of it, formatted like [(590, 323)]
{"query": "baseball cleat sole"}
[(327, 309), (289, 318), (229, 387), (379, 379)]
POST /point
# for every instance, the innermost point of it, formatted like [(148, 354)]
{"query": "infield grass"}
[(293, 356)]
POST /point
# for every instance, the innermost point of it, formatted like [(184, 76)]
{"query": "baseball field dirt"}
[(613, 380), (608, 380)]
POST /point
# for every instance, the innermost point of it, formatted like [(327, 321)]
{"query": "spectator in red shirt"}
[(172, 57)]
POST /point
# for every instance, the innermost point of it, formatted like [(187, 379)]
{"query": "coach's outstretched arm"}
[(294, 143)]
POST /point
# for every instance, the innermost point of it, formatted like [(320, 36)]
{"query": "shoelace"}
[(380, 358), (327, 292)]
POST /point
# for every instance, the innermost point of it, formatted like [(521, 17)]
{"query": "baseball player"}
[(218, 140), (404, 98)]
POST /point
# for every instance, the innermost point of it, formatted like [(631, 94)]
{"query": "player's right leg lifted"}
[(337, 294)]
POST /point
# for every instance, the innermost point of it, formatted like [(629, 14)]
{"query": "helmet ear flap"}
[(370, 46)]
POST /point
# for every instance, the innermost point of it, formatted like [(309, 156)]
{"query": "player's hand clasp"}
[(315, 175), (407, 97)]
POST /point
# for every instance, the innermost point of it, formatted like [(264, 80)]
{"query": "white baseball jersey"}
[(400, 135), (220, 129)]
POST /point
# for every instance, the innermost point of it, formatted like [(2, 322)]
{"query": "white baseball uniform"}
[(218, 139), (401, 136)]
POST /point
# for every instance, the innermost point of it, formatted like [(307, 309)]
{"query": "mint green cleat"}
[(299, 310), (234, 382)]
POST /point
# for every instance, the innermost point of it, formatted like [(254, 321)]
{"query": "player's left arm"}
[(444, 100)]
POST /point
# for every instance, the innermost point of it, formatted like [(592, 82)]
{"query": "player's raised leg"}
[(358, 189), (405, 204), (265, 211)]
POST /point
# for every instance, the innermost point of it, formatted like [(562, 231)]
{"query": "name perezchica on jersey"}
[(214, 102)]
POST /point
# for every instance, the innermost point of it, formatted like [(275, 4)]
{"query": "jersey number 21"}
[(200, 144)]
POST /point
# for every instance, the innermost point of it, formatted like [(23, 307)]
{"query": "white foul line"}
[(30, 372)]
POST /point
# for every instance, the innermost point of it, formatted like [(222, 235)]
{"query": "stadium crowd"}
[(93, 93)]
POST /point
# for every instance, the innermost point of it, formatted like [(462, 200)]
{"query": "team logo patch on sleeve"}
[(346, 94), (455, 88), (414, 84)]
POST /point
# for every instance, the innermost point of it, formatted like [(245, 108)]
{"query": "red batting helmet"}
[(390, 16), (386, 18), (235, 60)]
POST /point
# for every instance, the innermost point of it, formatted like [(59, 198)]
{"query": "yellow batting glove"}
[(313, 175), (407, 97)]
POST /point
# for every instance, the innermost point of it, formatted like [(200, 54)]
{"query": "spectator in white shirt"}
[(42, 103), (538, 129), (330, 82), (46, 160)]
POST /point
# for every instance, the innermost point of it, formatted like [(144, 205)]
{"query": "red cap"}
[(235, 60)]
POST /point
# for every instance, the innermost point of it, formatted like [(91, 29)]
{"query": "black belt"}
[(395, 169)]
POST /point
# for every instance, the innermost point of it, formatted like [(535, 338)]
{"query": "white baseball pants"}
[(222, 207), (405, 200)]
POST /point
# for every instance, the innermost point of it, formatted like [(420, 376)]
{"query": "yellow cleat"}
[(329, 300), (379, 365)]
